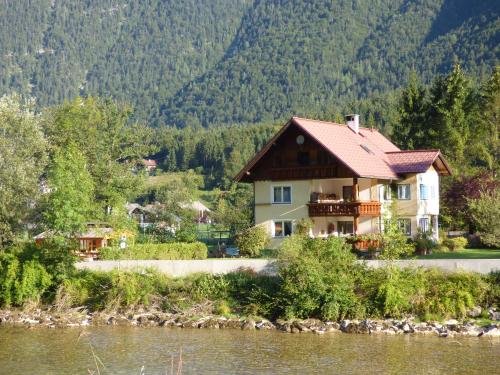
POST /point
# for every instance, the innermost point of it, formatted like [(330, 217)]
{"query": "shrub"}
[(450, 294), (492, 297), (424, 243), (164, 251), (252, 240), (485, 215), (454, 244), (22, 282), (320, 282), (394, 243)]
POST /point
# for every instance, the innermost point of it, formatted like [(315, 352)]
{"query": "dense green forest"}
[(227, 62)]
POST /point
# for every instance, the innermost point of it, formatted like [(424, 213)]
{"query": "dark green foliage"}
[(163, 251), (318, 279), (252, 240), (424, 293), (211, 62), (30, 274)]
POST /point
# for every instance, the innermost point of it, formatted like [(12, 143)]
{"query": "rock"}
[(249, 324), (344, 324), (209, 323), (494, 315), (406, 328), (332, 326), (264, 324), (475, 312), (437, 325), (365, 326), (294, 330), (302, 326), (491, 331), (190, 324), (443, 333), (232, 323), (283, 325)]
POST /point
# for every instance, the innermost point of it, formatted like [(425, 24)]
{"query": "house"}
[(150, 165), (94, 237), (145, 216), (202, 211), (342, 177)]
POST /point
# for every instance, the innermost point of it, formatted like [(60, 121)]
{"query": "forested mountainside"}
[(138, 51), (239, 61)]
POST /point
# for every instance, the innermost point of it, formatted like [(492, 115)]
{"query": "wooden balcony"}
[(344, 209)]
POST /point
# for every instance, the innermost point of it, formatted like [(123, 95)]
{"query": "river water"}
[(127, 350)]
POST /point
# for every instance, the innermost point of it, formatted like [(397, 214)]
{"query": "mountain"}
[(239, 61), (138, 51)]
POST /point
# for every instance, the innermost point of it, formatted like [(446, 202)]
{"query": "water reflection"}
[(126, 350)]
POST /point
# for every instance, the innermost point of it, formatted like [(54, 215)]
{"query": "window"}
[(347, 193), (405, 226), (433, 192), (282, 194), (424, 192), (404, 191), (384, 193), (345, 227), (423, 223), (282, 228)]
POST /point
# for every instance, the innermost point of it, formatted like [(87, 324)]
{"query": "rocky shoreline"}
[(49, 318)]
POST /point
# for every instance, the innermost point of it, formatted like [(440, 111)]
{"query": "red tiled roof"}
[(149, 162), (416, 161), (363, 153), (367, 153)]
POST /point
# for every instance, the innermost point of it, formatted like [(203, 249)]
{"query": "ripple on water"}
[(124, 350)]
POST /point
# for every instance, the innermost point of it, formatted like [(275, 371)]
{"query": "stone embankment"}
[(81, 318)]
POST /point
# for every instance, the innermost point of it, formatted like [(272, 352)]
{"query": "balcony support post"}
[(355, 189), (356, 224)]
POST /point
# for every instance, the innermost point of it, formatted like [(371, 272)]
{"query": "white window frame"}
[(427, 190), (428, 224), (282, 187), (283, 221), (409, 192), (407, 220)]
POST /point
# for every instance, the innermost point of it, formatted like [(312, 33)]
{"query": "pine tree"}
[(448, 115), (412, 129)]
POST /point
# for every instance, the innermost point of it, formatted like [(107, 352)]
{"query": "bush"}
[(455, 244), (485, 215), (22, 282), (318, 279), (422, 292), (165, 251), (424, 243), (394, 243), (252, 240)]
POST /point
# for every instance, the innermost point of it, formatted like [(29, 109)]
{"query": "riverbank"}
[(80, 318)]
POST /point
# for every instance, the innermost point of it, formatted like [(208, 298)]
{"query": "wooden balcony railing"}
[(344, 209)]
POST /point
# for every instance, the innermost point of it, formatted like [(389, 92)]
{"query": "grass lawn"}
[(465, 254)]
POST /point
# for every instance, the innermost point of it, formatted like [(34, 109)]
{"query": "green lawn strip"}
[(464, 254)]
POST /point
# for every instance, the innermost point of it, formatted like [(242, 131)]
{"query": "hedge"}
[(162, 251)]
